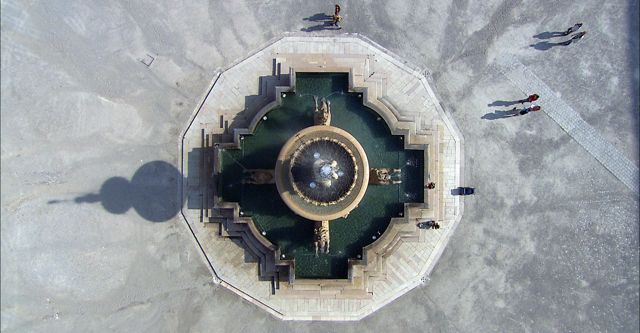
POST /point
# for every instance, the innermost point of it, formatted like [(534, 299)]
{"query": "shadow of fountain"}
[(153, 193)]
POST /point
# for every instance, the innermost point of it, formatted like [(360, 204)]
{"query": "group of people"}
[(532, 107), (336, 19), (575, 37), (428, 225), (534, 97)]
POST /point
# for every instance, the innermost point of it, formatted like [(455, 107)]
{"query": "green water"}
[(293, 234)]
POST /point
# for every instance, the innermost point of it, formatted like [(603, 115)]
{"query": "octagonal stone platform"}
[(247, 263)]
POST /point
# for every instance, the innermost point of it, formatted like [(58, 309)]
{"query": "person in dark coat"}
[(533, 108), (572, 29), (575, 37)]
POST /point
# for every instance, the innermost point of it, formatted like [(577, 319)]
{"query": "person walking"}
[(428, 225), (530, 99), (336, 17), (533, 108), (572, 29), (575, 37), (336, 21)]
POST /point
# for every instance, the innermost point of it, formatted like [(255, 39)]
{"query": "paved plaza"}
[(95, 97)]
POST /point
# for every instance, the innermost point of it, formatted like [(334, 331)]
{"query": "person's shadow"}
[(153, 192), (500, 114), (543, 46), (504, 103), (319, 17), (549, 34), (325, 22)]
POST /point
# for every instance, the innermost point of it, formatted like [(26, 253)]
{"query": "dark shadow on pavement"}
[(152, 192), (549, 34), (500, 114), (318, 17), (325, 22), (253, 103), (503, 103), (324, 26), (543, 46)]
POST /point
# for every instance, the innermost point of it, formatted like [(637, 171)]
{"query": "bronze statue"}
[(322, 115), (385, 176), (258, 177), (321, 237)]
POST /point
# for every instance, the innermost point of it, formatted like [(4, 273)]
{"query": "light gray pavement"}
[(570, 121), (549, 242)]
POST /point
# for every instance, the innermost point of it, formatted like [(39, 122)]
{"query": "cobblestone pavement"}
[(571, 122)]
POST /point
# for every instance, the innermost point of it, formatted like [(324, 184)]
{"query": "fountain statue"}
[(326, 171), (322, 115), (258, 177), (385, 176), (321, 236)]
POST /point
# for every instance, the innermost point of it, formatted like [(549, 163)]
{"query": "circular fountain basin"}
[(322, 173)]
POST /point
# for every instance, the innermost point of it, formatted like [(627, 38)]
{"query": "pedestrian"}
[(575, 37), (530, 99), (533, 108), (336, 20), (572, 29), (425, 224), (428, 225), (431, 185)]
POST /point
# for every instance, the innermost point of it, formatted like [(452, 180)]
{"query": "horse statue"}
[(385, 176), (258, 177), (321, 237), (322, 114)]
